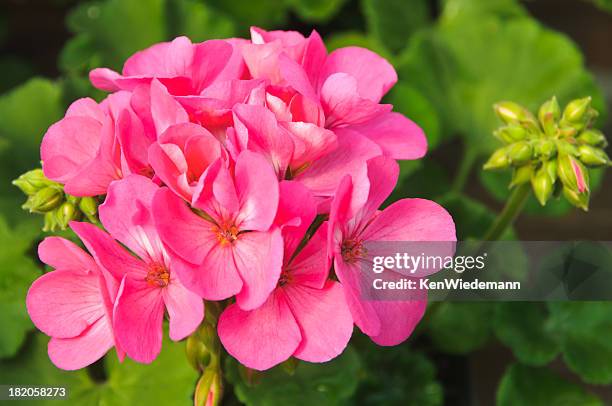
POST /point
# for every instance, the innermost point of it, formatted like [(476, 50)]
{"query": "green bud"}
[(521, 175), (511, 134), (551, 169), (209, 389), (50, 223), (65, 214), (578, 112), (580, 200), (542, 185), (44, 200), (593, 138), (592, 156), (520, 153), (513, 113), (32, 181), (572, 174), (546, 149), (89, 206), (548, 115), (499, 159)]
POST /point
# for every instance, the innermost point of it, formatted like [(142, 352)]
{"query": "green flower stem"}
[(513, 207), (463, 172)]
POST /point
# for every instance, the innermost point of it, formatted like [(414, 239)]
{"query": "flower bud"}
[(521, 175), (548, 115), (44, 200), (209, 389), (580, 200), (542, 185), (50, 223), (32, 181), (89, 206), (520, 153), (592, 156), (513, 113), (551, 169), (578, 112), (546, 149), (572, 173), (499, 159), (65, 214), (510, 134), (594, 138)]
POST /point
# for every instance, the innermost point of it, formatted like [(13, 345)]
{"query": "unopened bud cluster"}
[(552, 151), (48, 198)]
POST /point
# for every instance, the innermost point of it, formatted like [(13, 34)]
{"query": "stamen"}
[(158, 276), (353, 250), (226, 234)]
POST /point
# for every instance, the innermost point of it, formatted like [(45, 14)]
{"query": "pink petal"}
[(314, 57), (397, 320), (85, 349), (353, 150), (64, 303), (259, 258), (164, 109), (104, 79), (62, 254), (262, 61), (209, 59), (311, 142), (216, 193), (412, 220), (216, 278), (324, 318), (258, 125), (296, 76), (343, 105), (374, 75), (296, 212), (310, 267), (397, 136), (363, 311), (257, 189), (382, 176), (126, 215), (85, 107), (166, 59), (185, 310), (183, 231), (107, 252), (68, 146), (138, 317), (134, 142), (260, 338)]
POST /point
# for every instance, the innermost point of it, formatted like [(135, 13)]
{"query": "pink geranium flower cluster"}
[(249, 171)]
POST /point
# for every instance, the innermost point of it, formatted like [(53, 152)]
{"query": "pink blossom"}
[(306, 315), (184, 68), (81, 150), (231, 246), (73, 304), (148, 280), (354, 221)]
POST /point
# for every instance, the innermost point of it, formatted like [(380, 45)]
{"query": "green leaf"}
[(14, 71), (392, 22), (465, 65), (17, 272), (316, 10), (330, 383), (169, 380), (585, 334), (397, 376), (522, 327), (603, 4), (262, 13), (474, 9), (460, 327), (522, 385), (199, 22)]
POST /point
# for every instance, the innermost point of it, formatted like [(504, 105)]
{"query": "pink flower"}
[(184, 68), (73, 304), (230, 247), (80, 150), (148, 280), (354, 221), (306, 315), (340, 91)]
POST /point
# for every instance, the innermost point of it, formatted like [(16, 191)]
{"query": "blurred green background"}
[(455, 58)]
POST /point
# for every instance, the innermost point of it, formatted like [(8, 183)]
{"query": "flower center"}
[(285, 278), (226, 234), (158, 275), (353, 250)]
